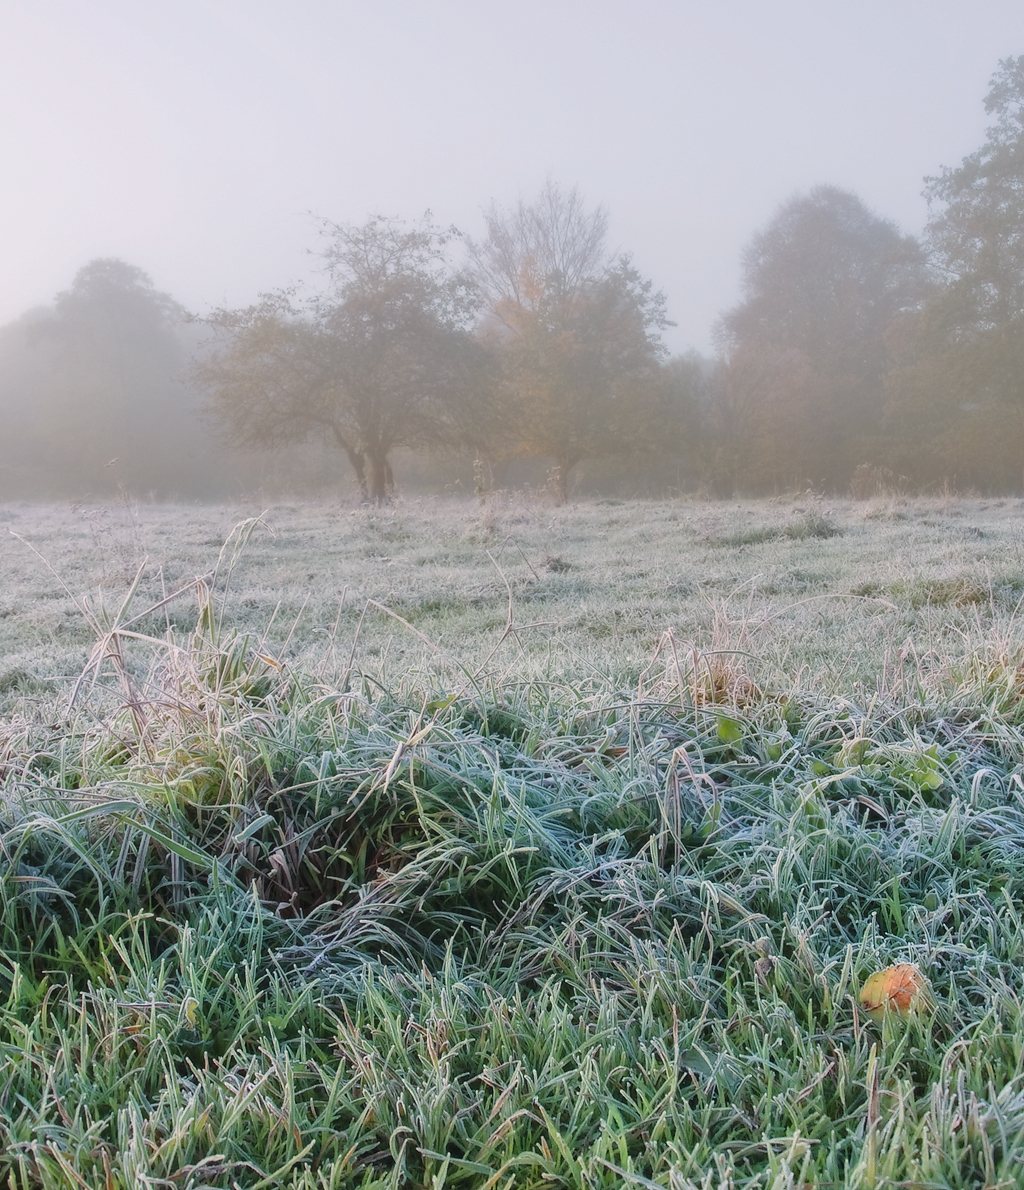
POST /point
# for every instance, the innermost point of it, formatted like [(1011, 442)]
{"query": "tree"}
[(373, 361), (576, 334), (962, 368), (805, 352), (976, 232), (97, 377)]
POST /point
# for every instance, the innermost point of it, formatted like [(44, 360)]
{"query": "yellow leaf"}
[(901, 989)]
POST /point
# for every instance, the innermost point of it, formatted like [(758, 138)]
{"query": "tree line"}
[(858, 355), (539, 345)]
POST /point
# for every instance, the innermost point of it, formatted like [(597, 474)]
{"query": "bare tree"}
[(531, 249)]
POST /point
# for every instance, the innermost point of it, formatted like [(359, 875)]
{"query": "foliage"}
[(962, 361), (853, 359), (977, 230), (92, 392), (576, 334), (371, 362), (802, 392)]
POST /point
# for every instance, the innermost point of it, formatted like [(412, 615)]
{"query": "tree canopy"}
[(854, 351), (976, 229), (961, 371), (372, 360), (806, 351), (576, 334), (92, 388)]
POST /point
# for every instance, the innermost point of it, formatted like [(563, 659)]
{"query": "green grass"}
[(309, 916)]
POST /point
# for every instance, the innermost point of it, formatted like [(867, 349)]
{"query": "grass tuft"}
[(813, 524)]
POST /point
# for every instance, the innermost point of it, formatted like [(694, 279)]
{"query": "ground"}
[(495, 844), (821, 594)]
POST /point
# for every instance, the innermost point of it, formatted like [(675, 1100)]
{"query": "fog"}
[(202, 145), (194, 142)]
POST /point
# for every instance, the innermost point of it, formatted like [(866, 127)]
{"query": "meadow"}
[(492, 844)]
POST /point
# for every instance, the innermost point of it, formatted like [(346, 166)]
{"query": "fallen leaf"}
[(901, 989)]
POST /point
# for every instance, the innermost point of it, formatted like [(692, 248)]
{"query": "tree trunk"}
[(560, 479), (381, 480), (359, 467), (356, 458)]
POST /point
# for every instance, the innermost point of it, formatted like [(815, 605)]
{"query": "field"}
[(818, 596), (496, 844)]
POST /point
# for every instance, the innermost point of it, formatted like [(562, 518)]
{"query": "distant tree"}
[(802, 392), (961, 374), (976, 231), (576, 335), (374, 362), (95, 378)]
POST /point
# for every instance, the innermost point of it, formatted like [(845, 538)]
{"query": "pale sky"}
[(195, 139)]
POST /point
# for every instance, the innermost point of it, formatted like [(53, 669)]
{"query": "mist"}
[(168, 171)]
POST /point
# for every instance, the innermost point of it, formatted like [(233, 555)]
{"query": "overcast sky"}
[(195, 138)]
